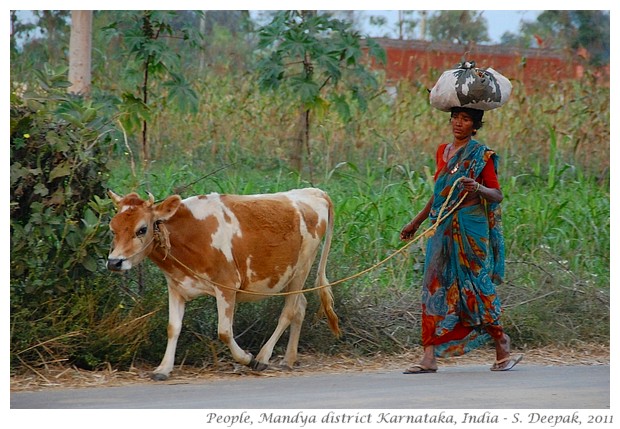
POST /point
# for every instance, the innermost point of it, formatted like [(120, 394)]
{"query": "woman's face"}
[(462, 125)]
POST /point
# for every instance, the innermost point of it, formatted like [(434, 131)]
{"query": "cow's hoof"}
[(158, 376), (258, 366)]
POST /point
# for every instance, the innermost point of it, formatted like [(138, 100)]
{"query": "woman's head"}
[(464, 113)]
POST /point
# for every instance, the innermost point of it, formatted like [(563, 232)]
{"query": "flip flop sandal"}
[(506, 363), (419, 369)]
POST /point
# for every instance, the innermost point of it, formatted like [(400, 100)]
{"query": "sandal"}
[(506, 364), (419, 369)]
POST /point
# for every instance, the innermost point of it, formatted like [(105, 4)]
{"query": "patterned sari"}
[(464, 263)]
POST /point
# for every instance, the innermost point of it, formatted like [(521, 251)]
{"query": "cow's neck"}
[(162, 253)]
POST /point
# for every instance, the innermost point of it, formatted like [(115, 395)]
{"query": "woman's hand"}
[(470, 185), (409, 230), (490, 194)]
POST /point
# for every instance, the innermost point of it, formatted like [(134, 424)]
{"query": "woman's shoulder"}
[(480, 145), (441, 147), (483, 150)]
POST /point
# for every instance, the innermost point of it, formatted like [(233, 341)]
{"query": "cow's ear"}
[(116, 199), (167, 208)]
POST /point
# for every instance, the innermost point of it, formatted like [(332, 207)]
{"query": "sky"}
[(499, 21)]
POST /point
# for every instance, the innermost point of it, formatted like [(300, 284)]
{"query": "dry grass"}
[(71, 377)]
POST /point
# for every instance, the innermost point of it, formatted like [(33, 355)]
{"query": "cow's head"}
[(134, 225)]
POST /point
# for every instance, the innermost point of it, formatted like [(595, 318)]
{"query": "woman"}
[(465, 255)]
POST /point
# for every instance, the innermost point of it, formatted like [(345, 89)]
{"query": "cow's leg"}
[(226, 302), (292, 315), (290, 357), (176, 309)]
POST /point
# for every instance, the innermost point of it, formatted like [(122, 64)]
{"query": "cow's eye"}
[(141, 231)]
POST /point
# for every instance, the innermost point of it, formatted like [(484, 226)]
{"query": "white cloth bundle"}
[(468, 86)]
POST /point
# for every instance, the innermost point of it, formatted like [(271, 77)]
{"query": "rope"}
[(428, 232)]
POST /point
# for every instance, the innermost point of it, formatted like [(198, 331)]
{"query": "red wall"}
[(424, 61)]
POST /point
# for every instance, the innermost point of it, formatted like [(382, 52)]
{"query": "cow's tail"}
[(325, 293)]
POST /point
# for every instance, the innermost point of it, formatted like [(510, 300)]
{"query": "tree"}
[(573, 29), (458, 26), (80, 51), (321, 60), (566, 30), (38, 37), (149, 56), (405, 24)]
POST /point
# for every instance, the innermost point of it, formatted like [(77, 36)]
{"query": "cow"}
[(233, 247)]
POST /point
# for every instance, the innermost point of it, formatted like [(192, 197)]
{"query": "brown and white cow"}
[(223, 245)]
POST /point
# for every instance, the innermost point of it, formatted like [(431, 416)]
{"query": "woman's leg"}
[(427, 364), (428, 360), (502, 341), (503, 359)]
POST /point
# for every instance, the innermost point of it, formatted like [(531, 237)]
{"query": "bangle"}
[(477, 187)]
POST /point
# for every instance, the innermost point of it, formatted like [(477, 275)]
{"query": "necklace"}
[(447, 155)]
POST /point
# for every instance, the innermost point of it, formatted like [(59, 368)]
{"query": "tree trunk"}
[(80, 51), (302, 140), (297, 151), (203, 31)]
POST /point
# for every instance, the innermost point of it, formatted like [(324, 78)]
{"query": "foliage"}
[(458, 26), (58, 216), (45, 39), (310, 52), (144, 37), (567, 29), (57, 171)]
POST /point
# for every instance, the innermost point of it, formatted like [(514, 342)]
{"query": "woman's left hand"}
[(470, 185)]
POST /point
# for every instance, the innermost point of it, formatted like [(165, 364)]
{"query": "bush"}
[(58, 216)]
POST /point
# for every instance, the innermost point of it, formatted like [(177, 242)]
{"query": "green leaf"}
[(74, 118), (270, 34), (17, 172), (376, 51), (41, 189), (307, 90), (74, 239), (342, 107), (181, 92), (89, 263), (61, 170), (90, 219), (295, 44), (330, 61), (57, 142), (133, 110), (89, 115), (320, 107)]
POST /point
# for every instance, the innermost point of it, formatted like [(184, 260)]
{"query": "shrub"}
[(57, 171)]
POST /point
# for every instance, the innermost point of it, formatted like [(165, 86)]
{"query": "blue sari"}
[(464, 262)]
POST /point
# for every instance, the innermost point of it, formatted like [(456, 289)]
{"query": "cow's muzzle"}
[(115, 264)]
